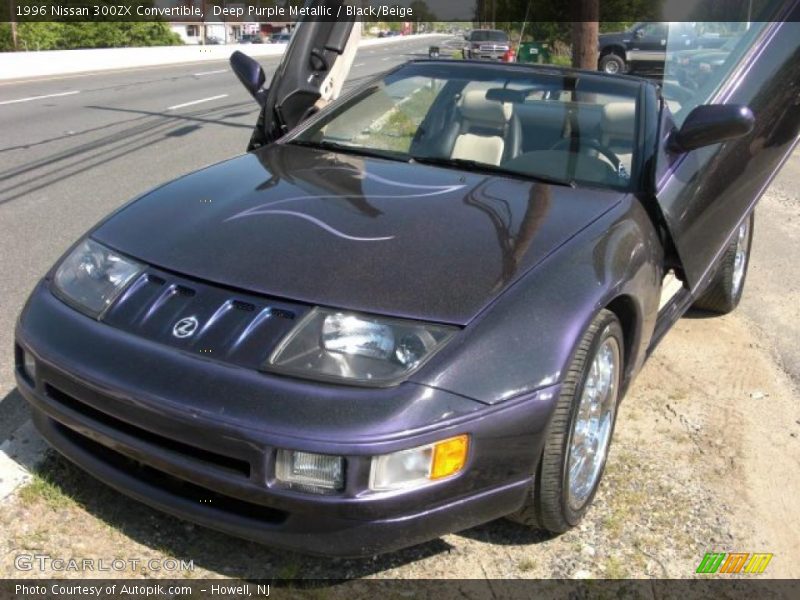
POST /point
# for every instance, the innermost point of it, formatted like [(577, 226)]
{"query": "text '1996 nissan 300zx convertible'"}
[(410, 309)]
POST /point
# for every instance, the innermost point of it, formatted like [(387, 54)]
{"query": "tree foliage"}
[(98, 34)]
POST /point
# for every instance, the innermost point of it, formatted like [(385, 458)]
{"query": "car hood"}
[(353, 232)]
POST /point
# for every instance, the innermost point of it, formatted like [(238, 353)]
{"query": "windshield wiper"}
[(348, 149), (474, 165)]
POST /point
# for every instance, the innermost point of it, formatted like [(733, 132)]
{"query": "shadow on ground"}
[(14, 412), (233, 557), (141, 130)]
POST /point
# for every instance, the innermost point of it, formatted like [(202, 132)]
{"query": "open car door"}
[(311, 73), (706, 190)]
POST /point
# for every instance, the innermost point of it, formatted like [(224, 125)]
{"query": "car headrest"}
[(475, 108), (619, 119)]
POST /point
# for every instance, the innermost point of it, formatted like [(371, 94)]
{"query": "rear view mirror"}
[(713, 123), (507, 95), (250, 74)]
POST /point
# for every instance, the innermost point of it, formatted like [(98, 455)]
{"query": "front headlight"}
[(362, 349), (92, 277)]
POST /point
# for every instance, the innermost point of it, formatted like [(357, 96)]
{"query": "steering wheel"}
[(591, 144)]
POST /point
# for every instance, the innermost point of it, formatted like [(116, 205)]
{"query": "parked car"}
[(411, 311), (280, 38), (486, 44), (694, 67), (213, 41), (251, 38)]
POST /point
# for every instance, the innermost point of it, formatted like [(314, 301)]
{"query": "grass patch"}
[(44, 489), (560, 61), (616, 568), (526, 564), (289, 571)]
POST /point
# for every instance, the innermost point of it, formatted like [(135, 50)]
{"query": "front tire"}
[(580, 432), (612, 63), (724, 292)]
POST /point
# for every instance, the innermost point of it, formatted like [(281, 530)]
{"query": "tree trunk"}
[(585, 28), (13, 18)]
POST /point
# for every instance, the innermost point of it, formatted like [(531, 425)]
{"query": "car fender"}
[(614, 49), (526, 338)]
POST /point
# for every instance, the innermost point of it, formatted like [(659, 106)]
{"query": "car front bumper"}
[(197, 438)]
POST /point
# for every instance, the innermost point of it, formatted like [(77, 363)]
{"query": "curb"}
[(19, 455)]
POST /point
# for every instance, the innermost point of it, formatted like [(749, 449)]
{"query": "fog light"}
[(29, 365), (318, 473), (419, 466)]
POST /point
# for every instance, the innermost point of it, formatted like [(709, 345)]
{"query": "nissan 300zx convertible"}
[(408, 311)]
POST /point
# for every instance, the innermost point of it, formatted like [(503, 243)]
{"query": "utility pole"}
[(203, 22), (224, 25)]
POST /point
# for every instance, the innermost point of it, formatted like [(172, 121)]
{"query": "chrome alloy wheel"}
[(612, 68), (740, 258), (591, 430)]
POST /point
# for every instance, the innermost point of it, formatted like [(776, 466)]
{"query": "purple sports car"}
[(409, 311)]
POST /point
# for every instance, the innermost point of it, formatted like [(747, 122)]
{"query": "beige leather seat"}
[(483, 130), (618, 127)]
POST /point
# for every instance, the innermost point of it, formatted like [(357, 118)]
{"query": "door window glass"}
[(696, 67), (389, 118)]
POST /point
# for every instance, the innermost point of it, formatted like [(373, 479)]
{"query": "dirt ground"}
[(706, 458)]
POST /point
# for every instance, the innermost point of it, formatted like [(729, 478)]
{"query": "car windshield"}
[(562, 126), (488, 36)]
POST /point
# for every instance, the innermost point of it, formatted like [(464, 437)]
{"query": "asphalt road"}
[(74, 148)]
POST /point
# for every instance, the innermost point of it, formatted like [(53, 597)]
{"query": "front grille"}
[(230, 326), (493, 48), (172, 485), (193, 453)]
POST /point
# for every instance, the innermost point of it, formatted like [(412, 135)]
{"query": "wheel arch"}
[(629, 314), (614, 49)]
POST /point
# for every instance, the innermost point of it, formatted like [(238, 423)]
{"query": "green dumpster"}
[(534, 52)]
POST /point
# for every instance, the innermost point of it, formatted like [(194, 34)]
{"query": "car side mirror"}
[(712, 123), (638, 34), (250, 74)]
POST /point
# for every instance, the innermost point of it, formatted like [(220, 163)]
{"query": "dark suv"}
[(643, 47), (488, 44)]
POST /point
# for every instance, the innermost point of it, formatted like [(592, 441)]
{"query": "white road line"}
[(386, 58), (30, 98), (193, 102), (359, 65), (211, 72)]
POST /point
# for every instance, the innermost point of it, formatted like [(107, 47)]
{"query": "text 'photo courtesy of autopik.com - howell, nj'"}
[(429, 298)]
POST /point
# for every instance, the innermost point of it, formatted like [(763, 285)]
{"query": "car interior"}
[(570, 140), (524, 127)]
